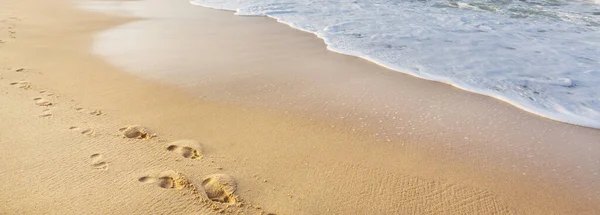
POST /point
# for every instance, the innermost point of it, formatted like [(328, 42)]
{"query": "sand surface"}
[(254, 126)]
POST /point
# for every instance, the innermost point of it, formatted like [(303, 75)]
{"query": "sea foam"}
[(542, 56)]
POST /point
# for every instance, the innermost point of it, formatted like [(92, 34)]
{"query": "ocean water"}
[(540, 55)]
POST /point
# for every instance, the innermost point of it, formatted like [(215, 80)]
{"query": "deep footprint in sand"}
[(187, 148), (137, 132), (167, 180), (220, 188), (97, 163), (46, 113), (42, 102)]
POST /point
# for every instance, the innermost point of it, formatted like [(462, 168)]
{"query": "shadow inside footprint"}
[(147, 179), (101, 165), (187, 148), (97, 163), (136, 131), (96, 113), (88, 131), (22, 84), (166, 180), (42, 102), (220, 188), (46, 113)]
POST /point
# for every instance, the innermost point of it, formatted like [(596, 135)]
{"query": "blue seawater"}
[(540, 55)]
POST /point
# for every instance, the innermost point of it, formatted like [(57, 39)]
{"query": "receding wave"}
[(540, 55)]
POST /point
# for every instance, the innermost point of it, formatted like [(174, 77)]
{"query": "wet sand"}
[(300, 130)]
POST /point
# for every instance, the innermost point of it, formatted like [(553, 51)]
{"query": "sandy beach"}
[(127, 107)]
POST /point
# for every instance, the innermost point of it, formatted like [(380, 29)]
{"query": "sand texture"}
[(79, 135)]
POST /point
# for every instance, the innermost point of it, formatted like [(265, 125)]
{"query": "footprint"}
[(92, 112), (187, 148), (97, 163), (88, 131), (96, 113), (46, 93), (136, 131), (22, 84), (46, 113), (42, 102), (220, 188), (168, 180)]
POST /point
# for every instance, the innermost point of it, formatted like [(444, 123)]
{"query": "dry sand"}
[(67, 145)]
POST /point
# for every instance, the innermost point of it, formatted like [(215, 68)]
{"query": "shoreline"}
[(398, 107), (568, 119), (285, 163)]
